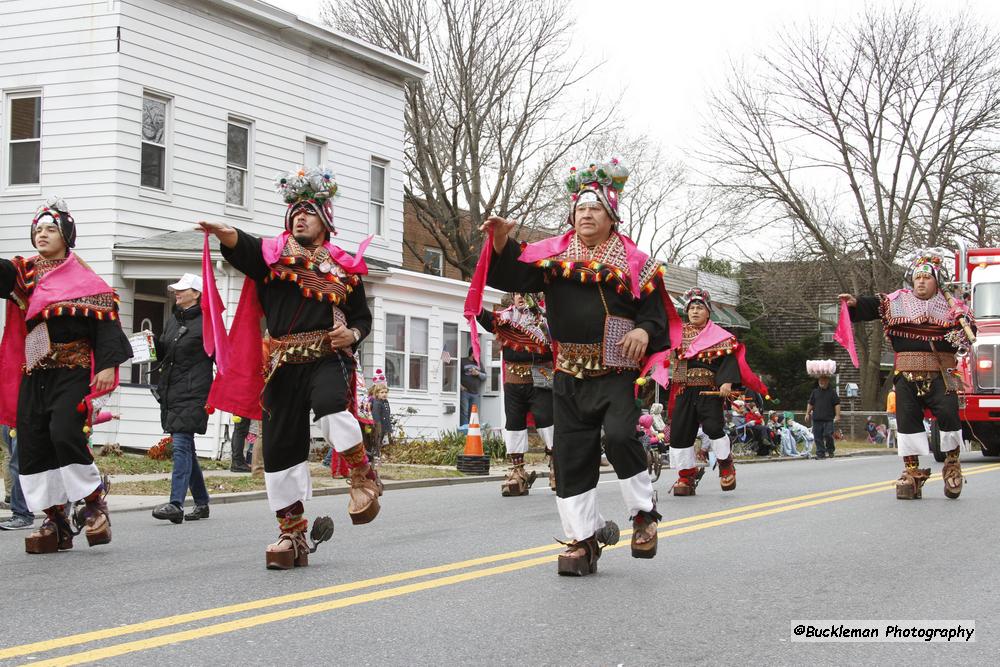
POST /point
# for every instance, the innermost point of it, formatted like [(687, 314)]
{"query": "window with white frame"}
[(433, 261), (449, 368), (153, 165), (418, 353), (395, 350), (828, 314), (24, 138), (315, 153), (377, 185), (238, 163)]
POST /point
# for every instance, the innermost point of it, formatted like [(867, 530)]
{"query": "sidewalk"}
[(126, 503)]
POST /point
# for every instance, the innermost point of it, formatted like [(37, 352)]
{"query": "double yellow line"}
[(523, 559)]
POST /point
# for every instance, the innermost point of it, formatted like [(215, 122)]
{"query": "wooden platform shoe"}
[(727, 474), (93, 518), (644, 528), (951, 473), (910, 484), (518, 481), (291, 549), (363, 505), (55, 534), (687, 481)]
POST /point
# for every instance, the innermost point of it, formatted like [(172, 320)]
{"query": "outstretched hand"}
[(851, 300), (502, 227), (227, 235)]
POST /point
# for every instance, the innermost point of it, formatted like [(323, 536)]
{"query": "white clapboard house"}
[(148, 115)]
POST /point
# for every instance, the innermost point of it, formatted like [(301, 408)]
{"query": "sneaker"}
[(199, 512), (17, 522)]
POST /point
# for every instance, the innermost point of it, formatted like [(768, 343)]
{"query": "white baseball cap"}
[(187, 281)]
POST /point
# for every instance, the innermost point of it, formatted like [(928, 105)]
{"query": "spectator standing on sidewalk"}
[(823, 409), (185, 379), (238, 462), (21, 517), (473, 376), (890, 410)]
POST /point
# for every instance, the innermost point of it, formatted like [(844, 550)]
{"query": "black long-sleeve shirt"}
[(285, 308), (109, 344), (574, 310)]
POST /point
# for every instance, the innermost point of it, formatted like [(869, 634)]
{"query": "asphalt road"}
[(460, 575)]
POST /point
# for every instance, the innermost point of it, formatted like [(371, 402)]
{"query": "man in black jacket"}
[(185, 378)]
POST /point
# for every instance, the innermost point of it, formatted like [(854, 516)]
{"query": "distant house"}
[(149, 115)]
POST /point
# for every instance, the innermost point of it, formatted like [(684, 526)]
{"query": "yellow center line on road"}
[(722, 518)]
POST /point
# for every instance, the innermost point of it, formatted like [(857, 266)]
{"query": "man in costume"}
[(59, 360), (823, 408), (607, 310), (702, 373), (527, 383), (313, 299), (925, 334)]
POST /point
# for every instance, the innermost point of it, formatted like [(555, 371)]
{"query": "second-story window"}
[(314, 154), (433, 261), (24, 138), (153, 169), (828, 313), (238, 163), (377, 224)]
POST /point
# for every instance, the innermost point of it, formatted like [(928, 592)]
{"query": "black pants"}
[(323, 386), (910, 406), (691, 409), (520, 399), (240, 431), (582, 408), (49, 427)]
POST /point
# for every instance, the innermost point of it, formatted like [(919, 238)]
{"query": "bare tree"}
[(486, 127), (857, 137)]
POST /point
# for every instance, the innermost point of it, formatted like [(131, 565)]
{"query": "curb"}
[(246, 496)]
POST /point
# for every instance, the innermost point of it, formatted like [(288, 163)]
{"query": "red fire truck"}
[(978, 273)]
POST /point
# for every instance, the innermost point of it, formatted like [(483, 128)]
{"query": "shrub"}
[(162, 450), (442, 451)]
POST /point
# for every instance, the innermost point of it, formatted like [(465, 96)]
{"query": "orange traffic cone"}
[(474, 438), (472, 461)]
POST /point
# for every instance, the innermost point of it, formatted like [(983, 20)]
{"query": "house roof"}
[(335, 40), (189, 244)]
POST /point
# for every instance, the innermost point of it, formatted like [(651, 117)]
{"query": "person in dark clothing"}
[(311, 295), (925, 333), (709, 359), (381, 412), (61, 350), (473, 376), (527, 383), (824, 411), (238, 461), (606, 308), (185, 379)]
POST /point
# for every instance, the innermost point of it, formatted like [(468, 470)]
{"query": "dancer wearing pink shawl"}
[(59, 358), (311, 295), (607, 311), (925, 335), (709, 359)]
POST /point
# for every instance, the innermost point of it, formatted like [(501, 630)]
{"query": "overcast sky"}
[(665, 57)]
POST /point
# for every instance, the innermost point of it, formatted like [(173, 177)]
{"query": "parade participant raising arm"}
[(606, 310), (311, 295), (61, 349), (924, 331)]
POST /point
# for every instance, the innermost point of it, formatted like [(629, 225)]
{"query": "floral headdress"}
[(312, 188), (697, 295), (606, 180), (930, 261)]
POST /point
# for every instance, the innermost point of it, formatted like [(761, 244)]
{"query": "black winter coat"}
[(185, 373)]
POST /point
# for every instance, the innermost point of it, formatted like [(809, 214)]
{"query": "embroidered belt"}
[(299, 348), (926, 362), (698, 377), (75, 354), (520, 372), (582, 360)]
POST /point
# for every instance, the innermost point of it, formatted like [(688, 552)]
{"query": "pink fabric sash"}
[(11, 363), (272, 247), (844, 333), (69, 280), (711, 335), (212, 307)]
